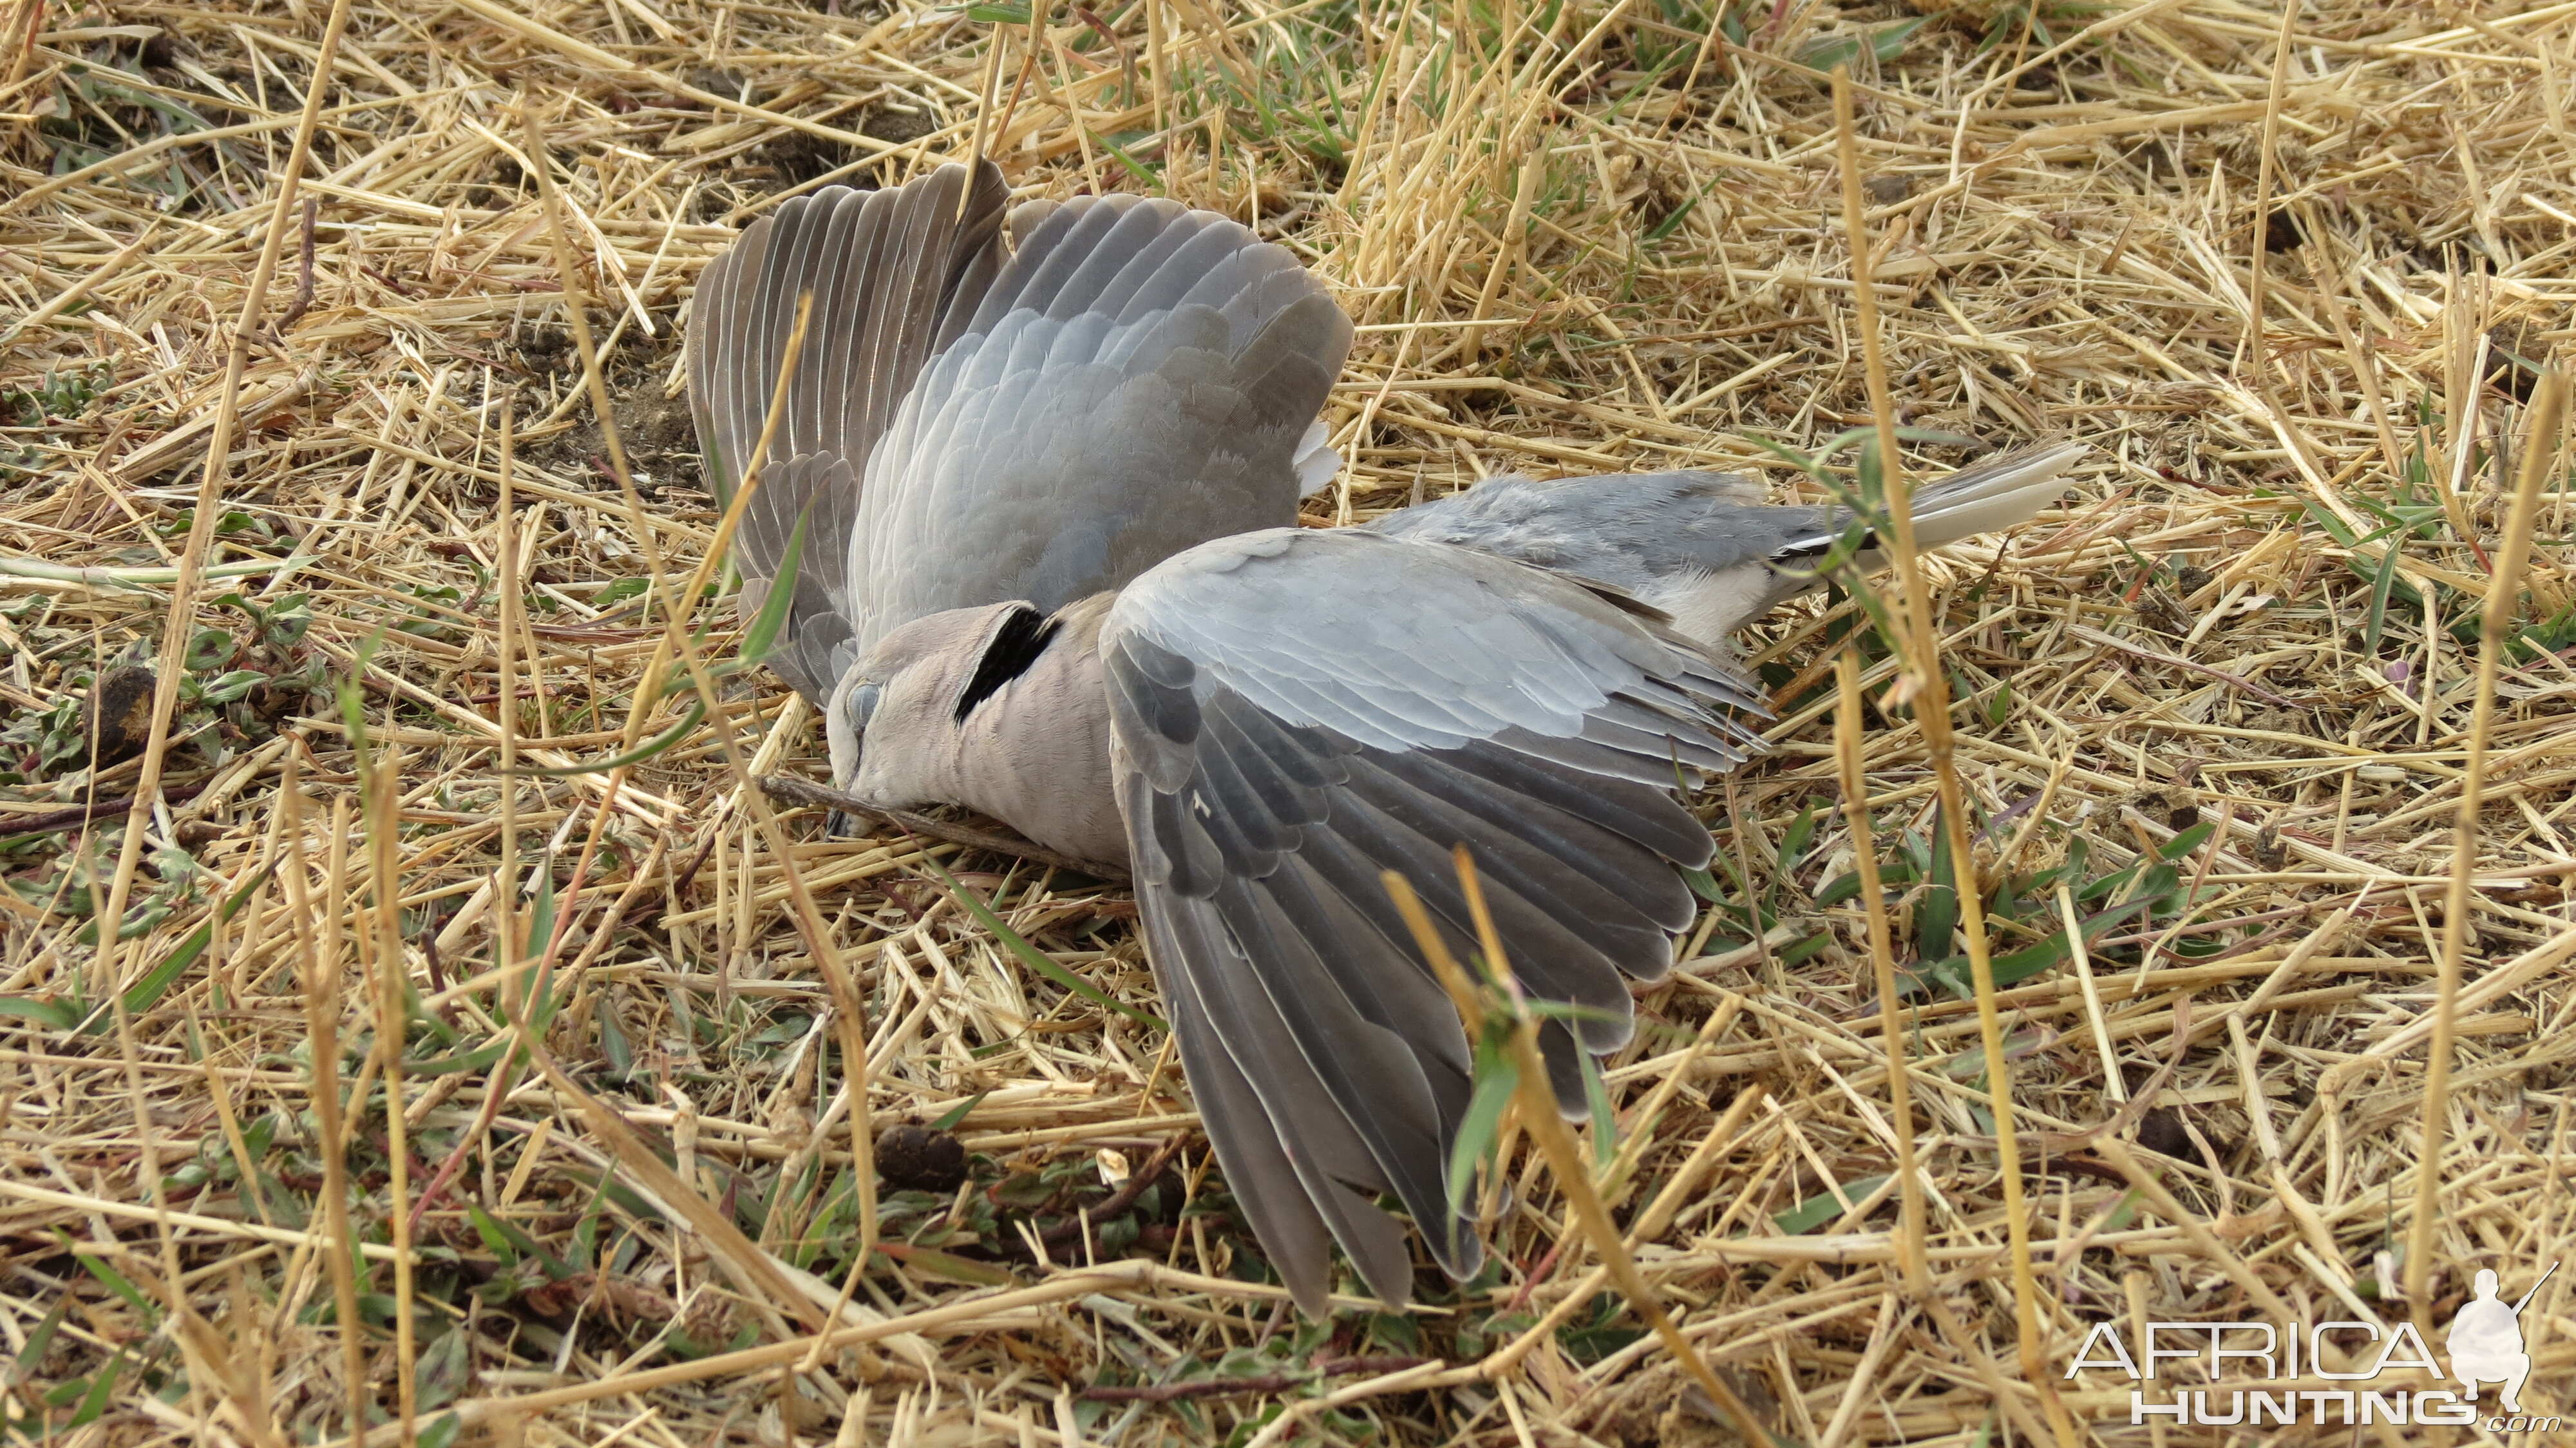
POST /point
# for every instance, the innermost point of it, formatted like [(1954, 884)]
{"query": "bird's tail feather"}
[(1984, 498), (1994, 494), (1317, 464)]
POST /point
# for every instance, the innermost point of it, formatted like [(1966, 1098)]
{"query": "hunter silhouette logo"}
[(2486, 1340), (2257, 1373)]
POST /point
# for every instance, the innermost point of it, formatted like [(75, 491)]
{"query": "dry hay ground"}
[(2225, 692)]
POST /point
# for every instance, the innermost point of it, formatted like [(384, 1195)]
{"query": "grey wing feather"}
[(1137, 380), (1286, 1182), (1294, 713), (967, 428), (1625, 529), (883, 267), (815, 645)]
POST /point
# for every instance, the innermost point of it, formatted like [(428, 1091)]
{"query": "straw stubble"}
[(1576, 238)]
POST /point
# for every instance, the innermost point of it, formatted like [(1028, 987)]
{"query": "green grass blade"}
[(771, 621), (1496, 1078), (1793, 844), (1812, 467), (113, 1280), (93, 1406), (541, 911), (1036, 959), (1936, 920), (1825, 1207), (1605, 1117), (495, 1240), (949, 1119), (474, 1060), (657, 744), (53, 1015), (1141, 170), (144, 993), (41, 1340), (2385, 580)]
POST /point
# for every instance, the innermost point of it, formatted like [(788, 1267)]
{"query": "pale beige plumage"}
[(1034, 753)]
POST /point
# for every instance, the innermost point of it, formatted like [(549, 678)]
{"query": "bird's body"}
[(1049, 573), (1031, 749), (1691, 545)]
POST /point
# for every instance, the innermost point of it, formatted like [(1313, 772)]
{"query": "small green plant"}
[(106, 115), (2554, 635), (434, 605), (2008, 21), (1885, 43), (74, 1402), (276, 626), (2023, 906), (63, 396), (2412, 512), (1752, 911), (40, 742)]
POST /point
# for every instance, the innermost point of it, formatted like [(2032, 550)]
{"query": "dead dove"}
[(1050, 571)]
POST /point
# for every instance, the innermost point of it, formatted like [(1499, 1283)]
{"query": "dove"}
[(1034, 494)]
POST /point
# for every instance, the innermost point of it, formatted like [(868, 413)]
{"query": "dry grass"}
[(1577, 238)]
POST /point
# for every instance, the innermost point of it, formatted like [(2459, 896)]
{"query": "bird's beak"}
[(839, 825)]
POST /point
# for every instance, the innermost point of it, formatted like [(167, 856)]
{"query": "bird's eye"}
[(862, 703)]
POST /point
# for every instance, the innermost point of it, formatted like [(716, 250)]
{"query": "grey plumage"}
[(1703, 546), (1048, 576), (883, 268), (1269, 765), (1275, 719), (1141, 344), (1132, 379)]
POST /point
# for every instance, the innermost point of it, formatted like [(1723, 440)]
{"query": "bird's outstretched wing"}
[(1140, 379), (1294, 712), (968, 427), (885, 268)]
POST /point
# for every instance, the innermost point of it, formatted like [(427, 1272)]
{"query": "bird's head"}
[(893, 721)]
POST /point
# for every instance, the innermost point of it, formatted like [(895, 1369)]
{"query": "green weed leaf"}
[(659, 743), (1036, 959), (1818, 1210), (1480, 1129)]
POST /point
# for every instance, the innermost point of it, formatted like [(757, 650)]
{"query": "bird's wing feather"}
[(1295, 712), (884, 269), (1628, 529), (967, 427), (1138, 379)]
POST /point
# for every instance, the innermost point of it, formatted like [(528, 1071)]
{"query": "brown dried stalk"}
[(791, 790), (1339, 1367), (1930, 691), (2504, 593)]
